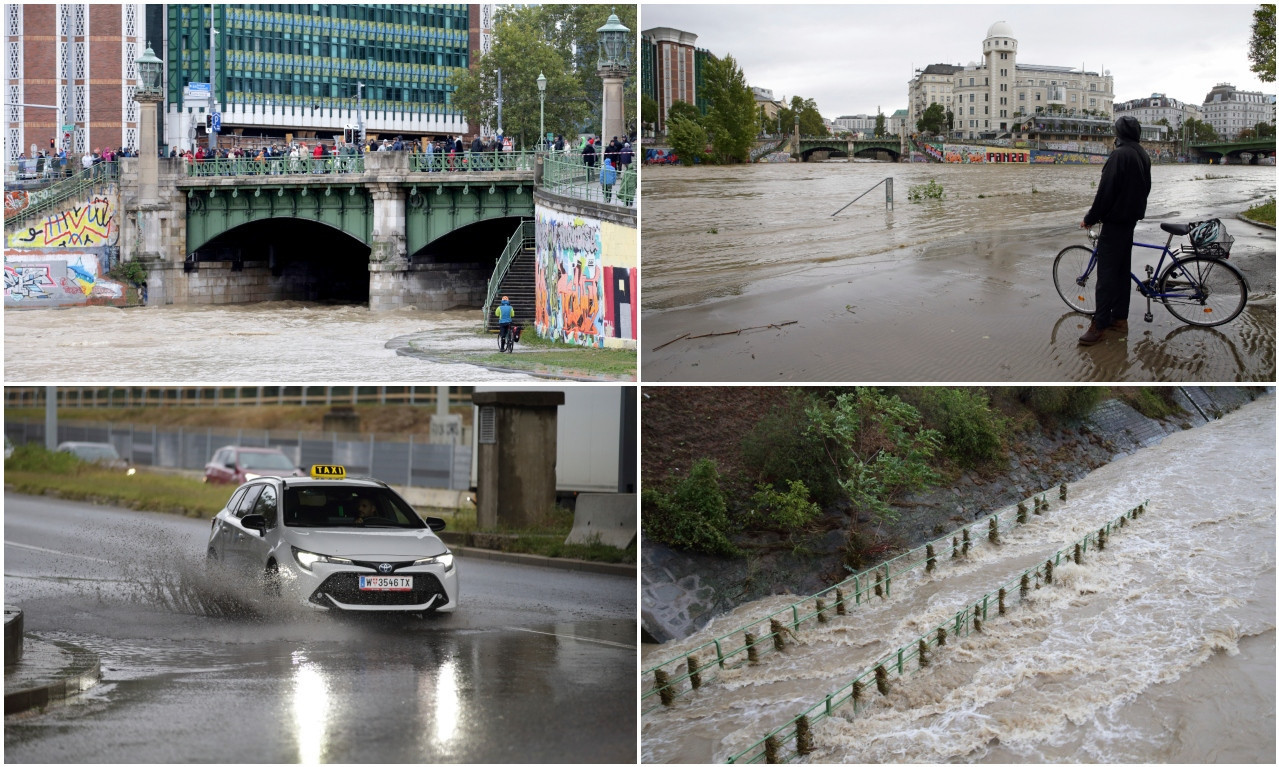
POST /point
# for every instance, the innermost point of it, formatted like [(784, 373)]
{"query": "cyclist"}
[(1119, 204), (504, 313)]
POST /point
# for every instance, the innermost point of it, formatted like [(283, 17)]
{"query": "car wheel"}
[(271, 580)]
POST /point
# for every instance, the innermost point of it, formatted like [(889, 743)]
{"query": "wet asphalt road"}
[(536, 665)]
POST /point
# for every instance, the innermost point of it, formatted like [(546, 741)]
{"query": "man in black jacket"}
[(1119, 204)]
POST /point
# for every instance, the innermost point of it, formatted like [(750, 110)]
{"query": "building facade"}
[(1229, 110), (933, 84), (73, 66), (312, 70), (864, 124), (1158, 106), (671, 69)]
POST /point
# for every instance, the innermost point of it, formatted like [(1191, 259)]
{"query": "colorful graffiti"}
[(580, 300), (15, 201), (1046, 157), (90, 223), (57, 278)]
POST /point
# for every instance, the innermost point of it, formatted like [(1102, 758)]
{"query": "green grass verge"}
[(536, 353), (142, 491), (1264, 213)]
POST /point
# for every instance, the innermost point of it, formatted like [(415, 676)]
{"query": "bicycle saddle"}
[(1180, 230)]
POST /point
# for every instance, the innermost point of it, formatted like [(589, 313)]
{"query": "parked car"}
[(333, 543), (234, 464), (102, 453)]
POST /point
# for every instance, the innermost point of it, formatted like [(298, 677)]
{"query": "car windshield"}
[(95, 452), (271, 460), (347, 506)]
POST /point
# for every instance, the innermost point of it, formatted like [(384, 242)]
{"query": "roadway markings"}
[(51, 551), (573, 636)]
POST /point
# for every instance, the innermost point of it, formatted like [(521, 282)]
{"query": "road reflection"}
[(310, 710)]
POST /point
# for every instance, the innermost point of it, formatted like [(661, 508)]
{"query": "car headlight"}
[(445, 559), (307, 558)]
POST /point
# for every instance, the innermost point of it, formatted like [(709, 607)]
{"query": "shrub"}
[(971, 430), (1068, 402), (36, 458), (693, 515), (930, 191), (886, 451), (787, 511), (1153, 402), (783, 446)]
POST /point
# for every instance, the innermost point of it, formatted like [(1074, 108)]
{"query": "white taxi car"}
[(336, 543)]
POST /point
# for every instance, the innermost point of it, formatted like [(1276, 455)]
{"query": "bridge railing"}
[(274, 166), (794, 738), (445, 162), (693, 669), (49, 198), (568, 175)]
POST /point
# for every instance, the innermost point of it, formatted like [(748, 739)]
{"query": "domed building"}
[(990, 98)]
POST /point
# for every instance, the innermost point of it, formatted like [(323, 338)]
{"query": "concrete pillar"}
[(613, 116), (148, 162), (515, 456)]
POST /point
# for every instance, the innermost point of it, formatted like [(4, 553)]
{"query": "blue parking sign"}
[(217, 122)]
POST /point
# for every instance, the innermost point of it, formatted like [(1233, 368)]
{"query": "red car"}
[(236, 465)]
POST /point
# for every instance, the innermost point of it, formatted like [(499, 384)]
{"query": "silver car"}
[(336, 543)]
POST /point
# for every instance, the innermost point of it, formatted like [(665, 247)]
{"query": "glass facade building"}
[(297, 66)]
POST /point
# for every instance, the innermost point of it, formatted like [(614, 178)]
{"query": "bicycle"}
[(1200, 289), (506, 338)]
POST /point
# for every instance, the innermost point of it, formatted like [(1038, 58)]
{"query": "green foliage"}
[(933, 120), (971, 430), (682, 109), (930, 191), (1265, 212), (810, 119), (687, 139), (886, 451), (36, 458), (1199, 131), (730, 121), (1261, 50), (694, 515), (789, 511), (782, 446), (650, 110), (129, 271), (1153, 402), (1068, 402)]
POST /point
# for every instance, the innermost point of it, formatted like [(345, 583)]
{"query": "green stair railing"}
[(52, 196), (524, 236)]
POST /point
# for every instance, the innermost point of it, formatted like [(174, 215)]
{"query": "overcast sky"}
[(853, 59)]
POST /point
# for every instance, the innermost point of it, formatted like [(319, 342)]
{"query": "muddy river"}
[(956, 289), (276, 341), (1161, 648)]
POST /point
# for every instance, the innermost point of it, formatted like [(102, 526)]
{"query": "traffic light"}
[(348, 135), (208, 123)]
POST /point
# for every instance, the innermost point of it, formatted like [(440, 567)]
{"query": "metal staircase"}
[(51, 197), (515, 277)]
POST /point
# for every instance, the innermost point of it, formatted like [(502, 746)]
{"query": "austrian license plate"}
[(386, 583)]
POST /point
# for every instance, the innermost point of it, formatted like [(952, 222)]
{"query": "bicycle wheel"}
[(1203, 291), (1074, 274)]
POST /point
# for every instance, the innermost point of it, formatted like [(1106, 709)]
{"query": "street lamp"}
[(541, 104), (149, 69), (612, 67)]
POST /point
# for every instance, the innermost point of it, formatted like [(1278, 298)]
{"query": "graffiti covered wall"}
[(587, 280), (62, 257)]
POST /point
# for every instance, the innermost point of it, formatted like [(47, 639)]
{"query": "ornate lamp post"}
[(148, 95), (541, 115), (613, 66)]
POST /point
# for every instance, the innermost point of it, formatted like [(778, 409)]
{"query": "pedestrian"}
[(608, 177), (625, 157), (430, 154), (588, 159), (1119, 204)]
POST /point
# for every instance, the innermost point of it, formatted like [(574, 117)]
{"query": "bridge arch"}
[(213, 211)]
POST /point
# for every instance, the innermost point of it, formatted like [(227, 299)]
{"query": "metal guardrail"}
[(852, 591), (274, 166), (566, 174), (793, 739), (443, 162), (71, 397), (54, 195), (525, 234)]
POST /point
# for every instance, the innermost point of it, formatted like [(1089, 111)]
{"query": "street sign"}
[(217, 122), (68, 128), (199, 87)]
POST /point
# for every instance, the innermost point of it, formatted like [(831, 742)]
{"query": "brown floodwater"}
[(957, 289), (1159, 648)]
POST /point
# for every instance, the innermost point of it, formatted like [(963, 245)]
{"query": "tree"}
[(1198, 131), (1262, 49), (687, 139), (1264, 130), (933, 120), (810, 119), (682, 109), (879, 125), (650, 111), (730, 120)]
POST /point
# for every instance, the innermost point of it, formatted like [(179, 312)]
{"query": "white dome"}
[(999, 29)]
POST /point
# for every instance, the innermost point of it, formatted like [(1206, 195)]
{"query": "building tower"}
[(999, 50)]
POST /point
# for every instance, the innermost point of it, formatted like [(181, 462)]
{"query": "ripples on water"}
[(1071, 676)]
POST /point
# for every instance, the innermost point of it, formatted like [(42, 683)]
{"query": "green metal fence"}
[(52, 196), (793, 739), (666, 681), (444, 162), (567, 175), (275, 166)]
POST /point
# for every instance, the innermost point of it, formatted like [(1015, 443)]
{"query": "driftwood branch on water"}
[(726, 332)]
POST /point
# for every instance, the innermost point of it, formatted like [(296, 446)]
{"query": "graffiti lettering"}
[(27, 282), (88, 224)]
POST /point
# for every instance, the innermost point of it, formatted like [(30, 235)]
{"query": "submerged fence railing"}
[(794, 738), (667, 681)]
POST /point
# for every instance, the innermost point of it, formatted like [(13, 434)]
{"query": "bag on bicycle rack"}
[(515, 332), (1210, 238)]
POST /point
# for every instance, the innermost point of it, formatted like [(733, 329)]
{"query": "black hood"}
[(1128, 129)]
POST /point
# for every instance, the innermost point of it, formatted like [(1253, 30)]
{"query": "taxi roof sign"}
[(319, 471)]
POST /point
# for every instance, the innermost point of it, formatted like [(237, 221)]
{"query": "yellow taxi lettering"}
[(319, 471)]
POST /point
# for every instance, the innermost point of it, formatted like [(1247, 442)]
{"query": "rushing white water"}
[(1159, 648)]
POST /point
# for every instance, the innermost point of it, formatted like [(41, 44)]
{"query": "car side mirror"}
[(230, 464), (435, 523), (255, 522)]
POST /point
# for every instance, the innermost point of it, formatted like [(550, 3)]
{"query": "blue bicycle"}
[(1197, 286)]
